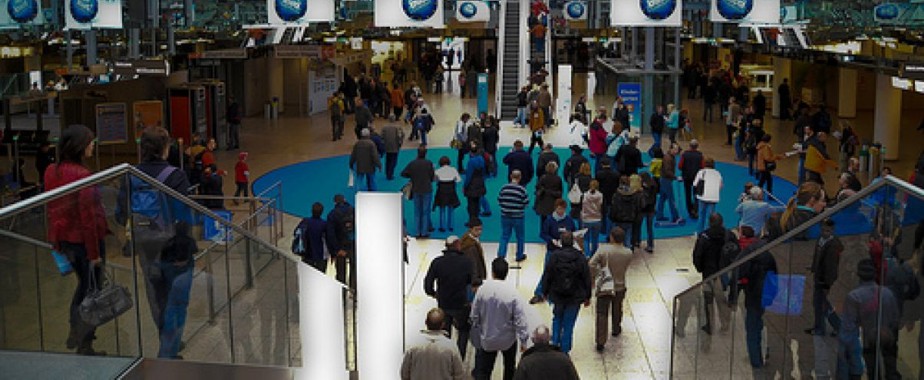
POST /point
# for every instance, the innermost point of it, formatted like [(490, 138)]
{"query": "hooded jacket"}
[(567, 256), (707, 253)]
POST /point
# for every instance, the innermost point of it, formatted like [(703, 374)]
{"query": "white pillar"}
[(847, 93), (322, 333), (887, 119), (782, 69), (379, 286)]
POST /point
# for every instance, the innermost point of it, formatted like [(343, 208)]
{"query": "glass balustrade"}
[(814, 315)]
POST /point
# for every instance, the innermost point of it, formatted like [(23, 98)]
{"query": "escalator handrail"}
[(858, 197)]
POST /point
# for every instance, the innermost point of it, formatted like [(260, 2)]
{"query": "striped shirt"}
[(512, 200)]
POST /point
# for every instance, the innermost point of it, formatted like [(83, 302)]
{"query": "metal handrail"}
[(858, 197), (122, 169)]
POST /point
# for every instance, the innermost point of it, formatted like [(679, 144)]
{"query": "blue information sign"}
[(631, 94)]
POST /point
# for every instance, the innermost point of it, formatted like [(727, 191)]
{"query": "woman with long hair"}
[(809, 201), (582, 181), (766, 162), (548, 190), (76, 228), (592, 217)]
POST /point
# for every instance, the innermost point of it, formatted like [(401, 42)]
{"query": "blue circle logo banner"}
[(734, 9), (419, 10), (22, 11), (575, 9), (84, 11), (887, 11), (468, 10), (291, 10), (658, 9)]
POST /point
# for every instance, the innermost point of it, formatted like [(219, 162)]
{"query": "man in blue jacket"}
[(310, 239), (552, 228), (341, 239), (518, 159)]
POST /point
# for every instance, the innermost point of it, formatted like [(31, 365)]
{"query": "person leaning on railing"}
[(77, 226), (809, 200)]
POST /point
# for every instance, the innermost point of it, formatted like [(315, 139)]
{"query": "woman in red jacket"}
[(77, 226)]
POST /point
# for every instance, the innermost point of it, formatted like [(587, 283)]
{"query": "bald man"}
[(436, 356), (544, 361)]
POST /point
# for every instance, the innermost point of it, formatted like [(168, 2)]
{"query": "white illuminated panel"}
[(901, 83), (919, 86), (321, 321), (380, 284)]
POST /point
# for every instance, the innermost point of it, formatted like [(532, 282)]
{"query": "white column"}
[(379, 286), (782, 69), (847, 93), (322, 333), (887, 118)]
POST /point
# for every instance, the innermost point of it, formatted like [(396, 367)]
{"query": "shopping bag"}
[(64, 265), (350, 179), (789, 296)]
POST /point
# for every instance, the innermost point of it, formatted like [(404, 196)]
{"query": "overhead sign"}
[(93, 14), (239, 53), (297, 12), (745, 11), (575, 11), (789, 14), (297, 51), (912, 70), (473, 11), (631, 94), (18, 13), (646, 13), (409, 13), (145, 67)]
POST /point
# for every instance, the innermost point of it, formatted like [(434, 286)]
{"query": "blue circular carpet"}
[(319, 180)]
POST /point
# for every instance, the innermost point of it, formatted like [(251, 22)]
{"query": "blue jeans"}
[(627, 227), (563, 319), (592, 239), (511, 225), (446, 217), (666, 194), (753, 327), (422, 203), (485, 208), (801, 170), (706, 209), (823, 310), (365, 179), (179, 282), (849, 356), (521, 116), (739, 150), (657, 141), (648, 220)]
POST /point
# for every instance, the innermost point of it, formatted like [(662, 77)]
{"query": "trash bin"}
[(267, 111), (275, 108), (864, 158), (875, 159)]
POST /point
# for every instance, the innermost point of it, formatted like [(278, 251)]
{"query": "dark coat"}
[(452, 273), (609, 182), (420, 172), (581, 290), (548, 189), (573, 167), (753, 273), (544, 361), (520, 160), (544, 159), (826, 261), (707, 253), (629, 160)]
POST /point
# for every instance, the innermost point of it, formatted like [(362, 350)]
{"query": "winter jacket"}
[(453, 274), (544, 361), (691, 162), (597, 137), (472, 249), (581, 286), (79, 216), (365, 157), (437, 358), (753, 273), (544, 159), (551, 230), (609, 182), (707, 253), (394, 138), (712, 186), (826, 260), (548, 189), (668, 168), (421, 173), (520, 160), (626, 206)]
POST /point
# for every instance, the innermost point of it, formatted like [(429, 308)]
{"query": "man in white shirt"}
[(436, 356), (498, 321), (708, 185)]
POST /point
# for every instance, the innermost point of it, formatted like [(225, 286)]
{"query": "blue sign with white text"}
[(631, 94)]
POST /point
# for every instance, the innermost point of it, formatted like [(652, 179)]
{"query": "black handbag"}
[(770, 166), (104, 302)]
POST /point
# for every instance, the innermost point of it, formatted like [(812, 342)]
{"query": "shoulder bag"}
[(575, 195), (604, 282), (104, 302)]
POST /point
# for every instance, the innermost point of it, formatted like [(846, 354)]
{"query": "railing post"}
[(210, 287), (248, 268)]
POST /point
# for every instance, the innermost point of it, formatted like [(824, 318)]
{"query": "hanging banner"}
[(631, 94), (93, 14), (473, 11), (287, 12), (18, 13), (745, 11), (111, 123), (575, 11), (409, 13), (646, 13), (148, 113)]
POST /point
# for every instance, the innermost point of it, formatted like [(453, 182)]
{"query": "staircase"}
[(510, 65)]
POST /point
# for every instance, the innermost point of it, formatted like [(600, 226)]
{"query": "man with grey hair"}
[(754, 211), (435, 357), (513, 200), (364, 160), (544, 361), (394, 138)]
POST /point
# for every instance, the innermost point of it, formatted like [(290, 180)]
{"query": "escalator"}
[(510, 70)]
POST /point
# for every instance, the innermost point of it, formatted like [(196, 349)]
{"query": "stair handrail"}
[(501, 51), (124, 168), (912, 190)]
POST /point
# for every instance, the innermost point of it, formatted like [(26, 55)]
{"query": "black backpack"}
[(730, 249), (565, 277), (624, 208), (901, 280)]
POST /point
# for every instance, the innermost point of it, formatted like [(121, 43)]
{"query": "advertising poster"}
[(15, 14), (93, 14), (111, 123), (473, 11), (631, 94), (575, 11), (216, 231), (148, 113), (297, 12), (409, 13), (745, 11), (646, 13)]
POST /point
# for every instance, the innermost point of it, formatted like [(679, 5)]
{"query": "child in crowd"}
[(241, 177)]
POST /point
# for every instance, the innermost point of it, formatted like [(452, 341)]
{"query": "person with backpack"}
[(490, 135), (708, 184), (618, 137), (708, 254), (153, 215), (626, 209), (309, 240), (460, 139), (615, 259), (647, 212), (537, 125), (757, 278), (566, 282), (335, 108), (878, 329), (657, 123), (691, 162), (754, 136), (341, 239), (177, 264), (473, 187)]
